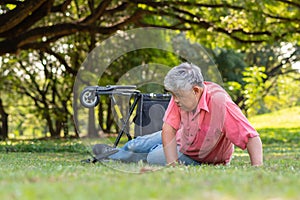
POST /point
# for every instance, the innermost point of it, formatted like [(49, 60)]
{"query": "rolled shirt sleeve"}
[(172, 115), (236, 127)]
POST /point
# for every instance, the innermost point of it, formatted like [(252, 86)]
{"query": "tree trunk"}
[(92, 132), (65, 119), (100, 116), (75, 120), (4, 122), (75, 126)]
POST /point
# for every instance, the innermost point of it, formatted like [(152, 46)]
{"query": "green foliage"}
[(254, 89), (234, 89), (265, 95), (231, 64), (286, 94), (257, 28)]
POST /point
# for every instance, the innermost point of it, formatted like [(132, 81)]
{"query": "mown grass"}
[(52, 170)]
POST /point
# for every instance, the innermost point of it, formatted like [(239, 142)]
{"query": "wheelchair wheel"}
[(89, 98)]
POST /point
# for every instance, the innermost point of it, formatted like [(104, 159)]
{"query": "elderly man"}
[(201, 125)]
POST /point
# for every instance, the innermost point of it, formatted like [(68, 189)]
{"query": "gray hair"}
[(183, 77)]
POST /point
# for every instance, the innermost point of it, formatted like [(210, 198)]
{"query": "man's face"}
[(187, 99)]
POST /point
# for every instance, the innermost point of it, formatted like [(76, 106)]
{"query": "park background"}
[(43, 44)]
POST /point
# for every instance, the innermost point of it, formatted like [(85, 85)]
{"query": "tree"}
[(46, 84), (34, 24), (62, 32), (271, 65)]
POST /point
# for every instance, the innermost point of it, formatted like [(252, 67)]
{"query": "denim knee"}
[(143, 144), (136, 145), (156, 156)]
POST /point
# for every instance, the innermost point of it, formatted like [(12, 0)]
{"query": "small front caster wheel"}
[(89, 98)]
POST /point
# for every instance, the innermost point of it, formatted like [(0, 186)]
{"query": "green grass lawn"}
[(52, 170)]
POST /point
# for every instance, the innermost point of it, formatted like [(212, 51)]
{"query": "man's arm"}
[(255, 151), (169, 144)]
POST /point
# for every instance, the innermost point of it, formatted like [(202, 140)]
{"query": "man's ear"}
[(197, 89)]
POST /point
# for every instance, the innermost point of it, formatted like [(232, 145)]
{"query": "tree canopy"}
[(32, 24)]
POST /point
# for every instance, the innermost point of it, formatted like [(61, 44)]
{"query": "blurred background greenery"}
[(254, 44)]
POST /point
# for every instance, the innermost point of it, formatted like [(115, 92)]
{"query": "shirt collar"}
[(202, 105)]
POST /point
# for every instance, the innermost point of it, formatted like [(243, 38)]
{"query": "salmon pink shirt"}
[(209, 133)]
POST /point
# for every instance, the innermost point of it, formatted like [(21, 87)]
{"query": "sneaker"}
[(102, 151)]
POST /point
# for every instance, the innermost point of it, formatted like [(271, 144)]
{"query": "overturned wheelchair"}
[(148, 108)]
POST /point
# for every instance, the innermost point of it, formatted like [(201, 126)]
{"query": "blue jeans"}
[(148, 148)]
